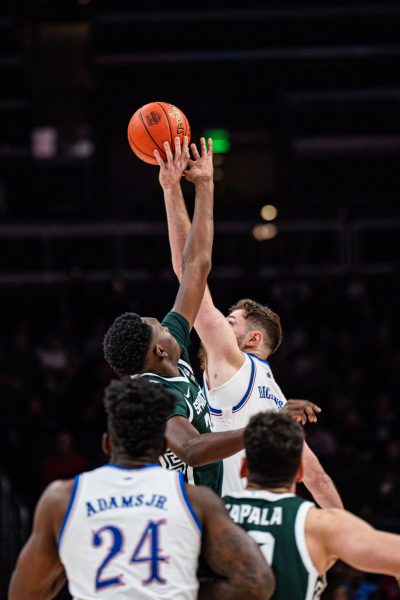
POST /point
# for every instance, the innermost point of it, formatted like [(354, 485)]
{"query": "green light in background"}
[(221, 141)]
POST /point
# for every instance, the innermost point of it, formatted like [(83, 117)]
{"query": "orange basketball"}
[(152, 125)]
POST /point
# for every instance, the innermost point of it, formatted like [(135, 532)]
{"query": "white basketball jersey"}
[(130, 533), (251, 390)]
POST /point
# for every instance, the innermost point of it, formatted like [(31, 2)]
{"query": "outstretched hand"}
[(171, 169), (301, 411), (201, 167)]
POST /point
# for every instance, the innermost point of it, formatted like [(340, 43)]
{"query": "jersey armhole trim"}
[(188, 505), (246, 396), (68, 511), (301, 542)]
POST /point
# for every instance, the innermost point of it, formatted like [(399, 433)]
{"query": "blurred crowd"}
[(340, 350)]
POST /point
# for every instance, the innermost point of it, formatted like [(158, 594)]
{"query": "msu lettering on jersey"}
[(277, 523), (190, 404), (251, 390), (130, 533)]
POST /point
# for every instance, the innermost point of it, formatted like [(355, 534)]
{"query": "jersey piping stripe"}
[(185, 364), (185, 379), (249, 389), (214, 411), (299, 529), (258, 358), (217, 412), (69, 510), (188, 505)]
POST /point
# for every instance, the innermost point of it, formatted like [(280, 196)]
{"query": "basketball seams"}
[(132, 143), (149, 134), (169, 124)]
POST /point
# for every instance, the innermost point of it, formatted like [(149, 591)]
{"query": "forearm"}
[(323, 491), (318, 482), (209, 447), (198, 246), (178, 224)]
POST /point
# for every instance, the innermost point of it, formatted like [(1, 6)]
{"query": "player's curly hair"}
[(262, 316), (126, 344), (137, 411), (273, 443)]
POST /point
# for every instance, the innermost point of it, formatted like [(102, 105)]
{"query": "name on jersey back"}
[(133, 501)]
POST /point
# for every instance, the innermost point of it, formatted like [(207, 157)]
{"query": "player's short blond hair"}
[(264, 318)]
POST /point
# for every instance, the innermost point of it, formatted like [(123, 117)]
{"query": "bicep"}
[(217, 335), (357, 543), (39, 573)]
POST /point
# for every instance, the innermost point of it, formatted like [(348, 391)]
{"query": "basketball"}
[(152, 125)]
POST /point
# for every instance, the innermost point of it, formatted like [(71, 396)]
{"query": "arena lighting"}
[(220, 138), (269, 212), (264, 231)]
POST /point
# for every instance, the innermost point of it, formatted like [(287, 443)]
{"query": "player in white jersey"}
[(131, 529), (226, 343), (300, 542), (258, 391)]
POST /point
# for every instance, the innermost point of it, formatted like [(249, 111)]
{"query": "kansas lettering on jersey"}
[(277, 523), (251, 390), (130, 533), (191, 404)]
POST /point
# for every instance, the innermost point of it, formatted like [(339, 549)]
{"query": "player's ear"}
[(244, 467), (300, 472), (106, 444), (160, 352), (255, 338)]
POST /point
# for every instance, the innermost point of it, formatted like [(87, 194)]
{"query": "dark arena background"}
[(303, 101)]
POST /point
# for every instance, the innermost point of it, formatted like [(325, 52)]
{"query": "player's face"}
[(239, 324), (162, 336)]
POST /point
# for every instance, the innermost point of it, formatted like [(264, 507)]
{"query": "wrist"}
[(171, 186), (204, 182)]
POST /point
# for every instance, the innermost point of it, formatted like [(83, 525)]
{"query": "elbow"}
[(191, 456), (261, 586), (200, 263)]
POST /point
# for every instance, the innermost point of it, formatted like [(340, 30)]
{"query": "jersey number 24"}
[(151, 534)]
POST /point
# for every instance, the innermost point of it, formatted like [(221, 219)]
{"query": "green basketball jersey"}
[(190, 404), (276, 522)]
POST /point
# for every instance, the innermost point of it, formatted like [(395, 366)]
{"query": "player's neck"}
[(280, 489), (257, 352), (124, 460), (164, 368)]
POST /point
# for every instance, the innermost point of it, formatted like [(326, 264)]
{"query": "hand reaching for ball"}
[(172, 169), (178, 164), (200, 169)]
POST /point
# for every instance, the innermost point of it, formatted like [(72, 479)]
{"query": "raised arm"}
[(240, 569), (196, 262), (197, 449), (318, 482), (39, 574), (338, 534), (218, 339)]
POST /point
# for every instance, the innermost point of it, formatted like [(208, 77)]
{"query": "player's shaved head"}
[(274, 444)]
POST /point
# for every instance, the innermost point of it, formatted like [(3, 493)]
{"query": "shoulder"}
[(205, 500)]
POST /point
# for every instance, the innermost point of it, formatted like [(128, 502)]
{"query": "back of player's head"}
[(262, 317), (126, 344), (273, 443), (137, 412)]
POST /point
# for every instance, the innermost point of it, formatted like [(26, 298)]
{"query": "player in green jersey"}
[(142, 346), (300, 542)]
